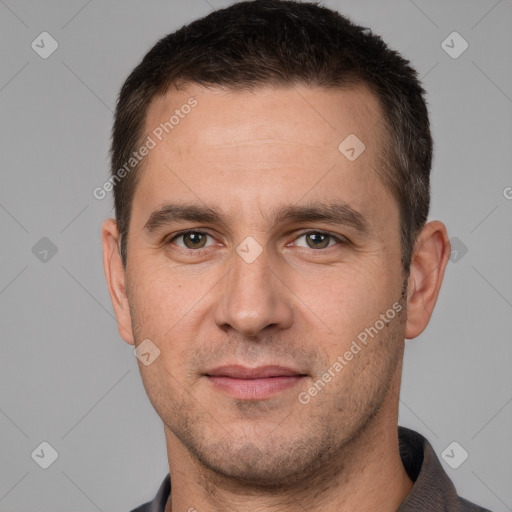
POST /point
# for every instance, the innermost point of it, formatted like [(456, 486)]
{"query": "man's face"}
[(253, 289)]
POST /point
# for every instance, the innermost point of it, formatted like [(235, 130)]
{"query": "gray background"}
[(67, 378)]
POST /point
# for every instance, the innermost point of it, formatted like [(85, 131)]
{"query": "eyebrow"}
[(170, 212), (330, 213)]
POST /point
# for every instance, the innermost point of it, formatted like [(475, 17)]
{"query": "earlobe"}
[(115, 275), (430, 257)]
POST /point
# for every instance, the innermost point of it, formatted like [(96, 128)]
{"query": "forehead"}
[(271, 144), (297, 114)]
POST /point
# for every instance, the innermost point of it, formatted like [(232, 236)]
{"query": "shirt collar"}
[(432, 491)]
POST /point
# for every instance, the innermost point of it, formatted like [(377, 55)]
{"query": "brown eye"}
[(191, 240), (317, 240)]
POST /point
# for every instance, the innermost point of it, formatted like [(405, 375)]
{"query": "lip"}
[(236, 371), (259, 383)]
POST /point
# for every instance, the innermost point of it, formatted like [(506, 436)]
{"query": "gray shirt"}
[(433, 491)]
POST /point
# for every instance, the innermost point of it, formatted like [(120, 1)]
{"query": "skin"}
[(247, 154)]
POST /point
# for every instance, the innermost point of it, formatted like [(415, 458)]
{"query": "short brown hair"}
[(282, 42)]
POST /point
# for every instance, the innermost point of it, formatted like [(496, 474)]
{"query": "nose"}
[(253, 298)]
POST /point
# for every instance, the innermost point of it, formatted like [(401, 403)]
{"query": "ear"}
[(431, 254), (115, 275)]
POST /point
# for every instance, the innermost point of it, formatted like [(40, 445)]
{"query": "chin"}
[(281, 463)]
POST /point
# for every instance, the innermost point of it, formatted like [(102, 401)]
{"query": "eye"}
[(191, 240), (318, 240)]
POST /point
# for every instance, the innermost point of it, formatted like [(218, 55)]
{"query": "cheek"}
[(165, 312), (347, 299), (157, 300)]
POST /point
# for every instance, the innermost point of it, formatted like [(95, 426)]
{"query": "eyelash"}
[(341, 240)]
